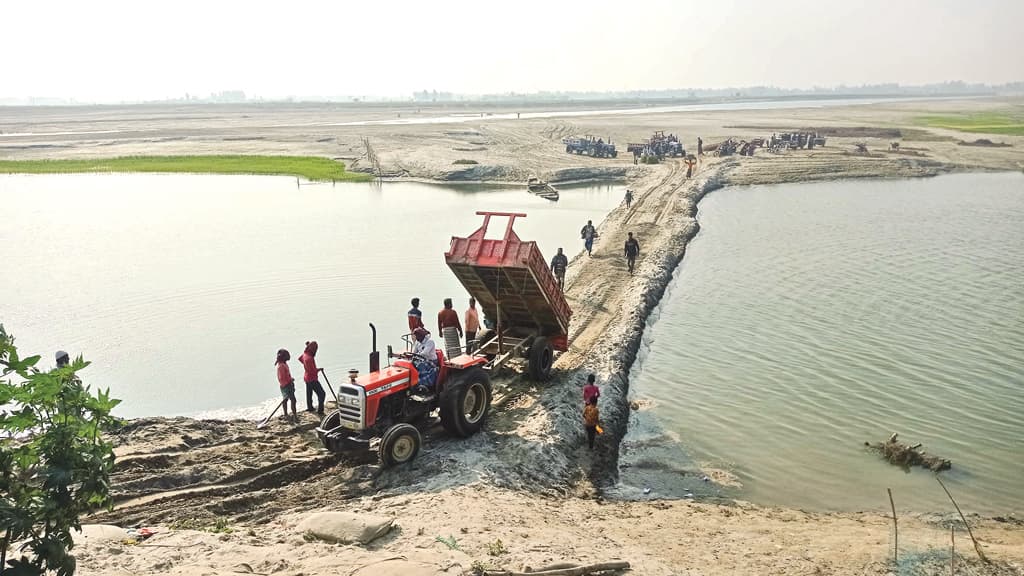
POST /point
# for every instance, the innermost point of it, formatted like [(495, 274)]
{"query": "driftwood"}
[(574, 571), (905, 456)]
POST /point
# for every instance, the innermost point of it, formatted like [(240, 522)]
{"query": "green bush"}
[(54, 465)]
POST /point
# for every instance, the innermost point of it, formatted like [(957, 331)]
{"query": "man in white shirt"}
[(426, 360)]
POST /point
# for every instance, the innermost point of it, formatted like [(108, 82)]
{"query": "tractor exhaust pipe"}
[(374, 355)]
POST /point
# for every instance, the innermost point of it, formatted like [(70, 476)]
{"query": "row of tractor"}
[(795, 140), (659, 146), (519, 297)]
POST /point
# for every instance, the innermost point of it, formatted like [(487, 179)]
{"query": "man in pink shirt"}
[(591, 390), (472, 325)]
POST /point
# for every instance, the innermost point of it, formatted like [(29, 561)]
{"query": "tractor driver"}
[(425, 361)]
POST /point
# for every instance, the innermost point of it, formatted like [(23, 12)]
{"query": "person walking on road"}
[(310, 377), (286, 382), (450, 328), (591, 390), (700, 146), (588, 233), (558, 265), (629, 198), (472, 325), (632, 250), (591, 418), (415, 316)]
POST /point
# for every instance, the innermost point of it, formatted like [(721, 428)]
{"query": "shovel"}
[(328, 382), (267, 419)]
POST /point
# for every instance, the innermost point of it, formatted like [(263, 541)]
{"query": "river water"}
[(180, 288), (808, 319)]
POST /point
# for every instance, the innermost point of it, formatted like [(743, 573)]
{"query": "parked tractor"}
[(658, 145), (590, 146)]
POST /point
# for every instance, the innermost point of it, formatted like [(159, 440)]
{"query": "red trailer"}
[(517, 293)]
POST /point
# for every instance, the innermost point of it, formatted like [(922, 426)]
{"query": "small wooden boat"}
[(542, 189)]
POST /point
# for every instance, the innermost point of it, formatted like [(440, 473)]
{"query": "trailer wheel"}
[(615, 154), (542, 355), (466, 403), (400, 444)]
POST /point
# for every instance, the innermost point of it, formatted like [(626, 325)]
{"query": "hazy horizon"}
[(114, 50)]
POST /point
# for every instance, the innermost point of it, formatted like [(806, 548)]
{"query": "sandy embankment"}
[(524, 480)]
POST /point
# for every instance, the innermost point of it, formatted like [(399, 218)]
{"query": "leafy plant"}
[(54, 465), (450, 542), (496, 548)]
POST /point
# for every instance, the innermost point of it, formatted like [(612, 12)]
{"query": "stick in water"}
[(896, 530), (977, 547)]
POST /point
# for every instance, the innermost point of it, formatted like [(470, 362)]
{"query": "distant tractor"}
[(590, 146), (658, 145)]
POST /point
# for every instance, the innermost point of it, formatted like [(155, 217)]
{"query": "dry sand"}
[(524, 480)]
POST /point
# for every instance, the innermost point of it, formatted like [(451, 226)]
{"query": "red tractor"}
[(515, 288), (385, 404)]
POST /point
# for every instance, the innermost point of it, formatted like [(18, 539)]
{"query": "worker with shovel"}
[(287, 383), (309, 375)]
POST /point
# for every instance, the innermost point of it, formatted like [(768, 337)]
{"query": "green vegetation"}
[(54, 464), (309, 167), (1006, 122), (465, 161), (496, 548)]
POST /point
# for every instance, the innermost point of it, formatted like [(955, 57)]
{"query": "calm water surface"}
[(181, 288), (807, 319)]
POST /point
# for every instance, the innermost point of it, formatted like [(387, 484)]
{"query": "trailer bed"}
[(511, 282)]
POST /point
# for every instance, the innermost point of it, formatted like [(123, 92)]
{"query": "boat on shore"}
[(542, 189)]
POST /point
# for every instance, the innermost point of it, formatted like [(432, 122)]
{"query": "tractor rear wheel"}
[(542, 355), (466, 403), (400, 444)]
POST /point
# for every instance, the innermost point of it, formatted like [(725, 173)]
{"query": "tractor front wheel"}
[(542, 355), (466, 403), (400, 444)]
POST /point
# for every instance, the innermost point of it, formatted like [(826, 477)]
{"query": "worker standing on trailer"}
[(558, 265), (472, 325), (415, 316), (632, 250), (588, 233), (450, 328)]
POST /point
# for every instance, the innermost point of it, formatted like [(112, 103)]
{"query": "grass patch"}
[(1007, 123), (465, 161), (309, 167)]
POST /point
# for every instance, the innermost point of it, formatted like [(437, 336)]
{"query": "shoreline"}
[(546, 500)]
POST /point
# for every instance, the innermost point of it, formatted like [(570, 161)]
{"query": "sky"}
[(114, 50)]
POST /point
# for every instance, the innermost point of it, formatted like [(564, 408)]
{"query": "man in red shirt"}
[(450, 328)]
